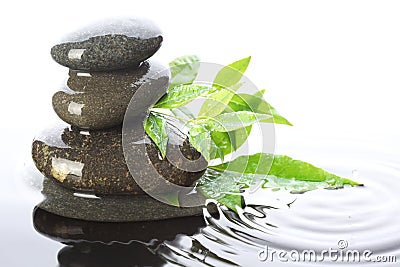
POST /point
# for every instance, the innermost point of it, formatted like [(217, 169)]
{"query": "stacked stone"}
[(108, 62)]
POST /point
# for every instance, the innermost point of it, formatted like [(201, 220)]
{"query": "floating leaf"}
[(282, 167), (224, 189), (232, 201), (225, 186), (223, 182)]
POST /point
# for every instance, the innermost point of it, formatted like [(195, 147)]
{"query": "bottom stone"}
[(127, 208)]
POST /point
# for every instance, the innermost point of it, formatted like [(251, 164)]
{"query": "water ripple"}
[(359, 218)]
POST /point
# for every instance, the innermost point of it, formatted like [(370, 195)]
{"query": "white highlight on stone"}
[(86, 195), (75, 108), (61, 168), (83, 74), (75, 53)]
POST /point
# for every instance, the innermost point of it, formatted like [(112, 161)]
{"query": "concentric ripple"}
[(358, 219)]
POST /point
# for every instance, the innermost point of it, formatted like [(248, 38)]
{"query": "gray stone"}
[(66, 203), (109, 45), (94, 161), (98, 100)]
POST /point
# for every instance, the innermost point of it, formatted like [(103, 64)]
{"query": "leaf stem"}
[(164, 112)]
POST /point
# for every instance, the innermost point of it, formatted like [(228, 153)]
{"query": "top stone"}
[(109, 45)]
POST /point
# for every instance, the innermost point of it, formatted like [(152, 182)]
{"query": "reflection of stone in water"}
[(119, 255), (111, 244), (73, 231)]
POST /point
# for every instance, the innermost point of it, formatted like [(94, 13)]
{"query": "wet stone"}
[(109, 45), (127, 208), (94, 162), (98, 100)]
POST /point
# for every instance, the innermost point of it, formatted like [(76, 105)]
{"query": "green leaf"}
[(230, 130), (184, 70), (240, 102), (282, 167), (222, 141), (224, 189), (260, 93), (227, 122), (286, 167), (224, 182), (183, 111), (182, 95), (227, 80), (239, 137), (225, 186), (217, 102), (156, 128), (230, 141), (258, 163), (200, 138), (235, 138), (231, 74), (291, 185), (258, 105), (232, 201)]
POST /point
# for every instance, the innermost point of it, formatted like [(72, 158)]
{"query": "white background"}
[(331, 67)]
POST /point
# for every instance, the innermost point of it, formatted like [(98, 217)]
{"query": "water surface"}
[(358, 219)]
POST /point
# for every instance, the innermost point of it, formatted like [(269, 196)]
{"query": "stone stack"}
[(108, 62)]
